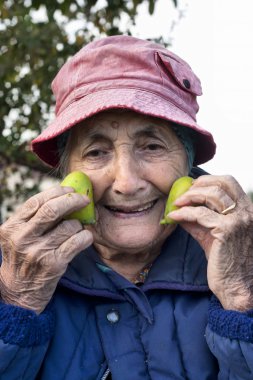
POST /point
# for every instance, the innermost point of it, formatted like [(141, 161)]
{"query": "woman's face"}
[(132, 161)]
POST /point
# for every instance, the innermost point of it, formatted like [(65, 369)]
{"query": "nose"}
[(128, 174)]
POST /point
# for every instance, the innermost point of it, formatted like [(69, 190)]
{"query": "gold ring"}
[(228, 209)]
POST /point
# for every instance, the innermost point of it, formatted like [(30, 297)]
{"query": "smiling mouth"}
[(132, 210)]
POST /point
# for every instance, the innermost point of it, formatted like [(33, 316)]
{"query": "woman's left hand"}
[(219, 215)]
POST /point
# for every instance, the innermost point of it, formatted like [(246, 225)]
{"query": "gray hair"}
[(63, 143)]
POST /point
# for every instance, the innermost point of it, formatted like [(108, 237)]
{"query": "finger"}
[(200, 215), (49, 214), (74, 245), (213, 197), (32, 205), (62, 232), (225, 182)]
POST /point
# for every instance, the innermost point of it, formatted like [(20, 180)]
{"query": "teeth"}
[(146, 207)]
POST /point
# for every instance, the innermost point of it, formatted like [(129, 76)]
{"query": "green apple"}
[(82, 185), (179, 187)]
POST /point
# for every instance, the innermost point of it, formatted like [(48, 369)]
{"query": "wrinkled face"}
[(132, 161)]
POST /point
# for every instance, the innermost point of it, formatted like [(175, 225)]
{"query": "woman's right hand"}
[(37, 245)]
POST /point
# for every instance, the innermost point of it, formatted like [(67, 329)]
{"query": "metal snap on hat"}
[(129, 73)]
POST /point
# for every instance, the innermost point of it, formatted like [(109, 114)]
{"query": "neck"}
[(129, 264)]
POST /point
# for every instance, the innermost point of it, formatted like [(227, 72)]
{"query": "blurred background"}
[(36, 38)]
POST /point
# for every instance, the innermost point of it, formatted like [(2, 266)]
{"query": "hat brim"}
[(138, 100)]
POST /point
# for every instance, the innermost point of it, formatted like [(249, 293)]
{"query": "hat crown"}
[(129, 62)]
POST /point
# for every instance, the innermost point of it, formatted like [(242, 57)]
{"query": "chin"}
[(134, 239)]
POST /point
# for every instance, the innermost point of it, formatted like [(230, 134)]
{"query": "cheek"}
[(100, 178), (101, 182), (163, 175)]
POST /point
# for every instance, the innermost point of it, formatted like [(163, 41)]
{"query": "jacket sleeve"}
[(229, 335), (24, 338)]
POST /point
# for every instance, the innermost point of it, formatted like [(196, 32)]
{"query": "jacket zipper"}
[(105, 375)]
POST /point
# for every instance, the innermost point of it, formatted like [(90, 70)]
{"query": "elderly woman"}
[(128, 298)]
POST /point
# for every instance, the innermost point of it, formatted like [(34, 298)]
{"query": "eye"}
[(95, 153), (153, 147)]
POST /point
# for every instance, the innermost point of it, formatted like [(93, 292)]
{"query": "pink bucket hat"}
[(129, 73)]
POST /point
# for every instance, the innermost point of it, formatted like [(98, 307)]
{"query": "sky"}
[(215, 38)]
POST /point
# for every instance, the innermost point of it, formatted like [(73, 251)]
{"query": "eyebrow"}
[(150, 131), (96, 136), (93, 136)]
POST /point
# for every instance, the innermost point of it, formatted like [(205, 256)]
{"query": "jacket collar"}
[(180, 266)]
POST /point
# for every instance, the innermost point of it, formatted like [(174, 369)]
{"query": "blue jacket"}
[(171, 327)]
